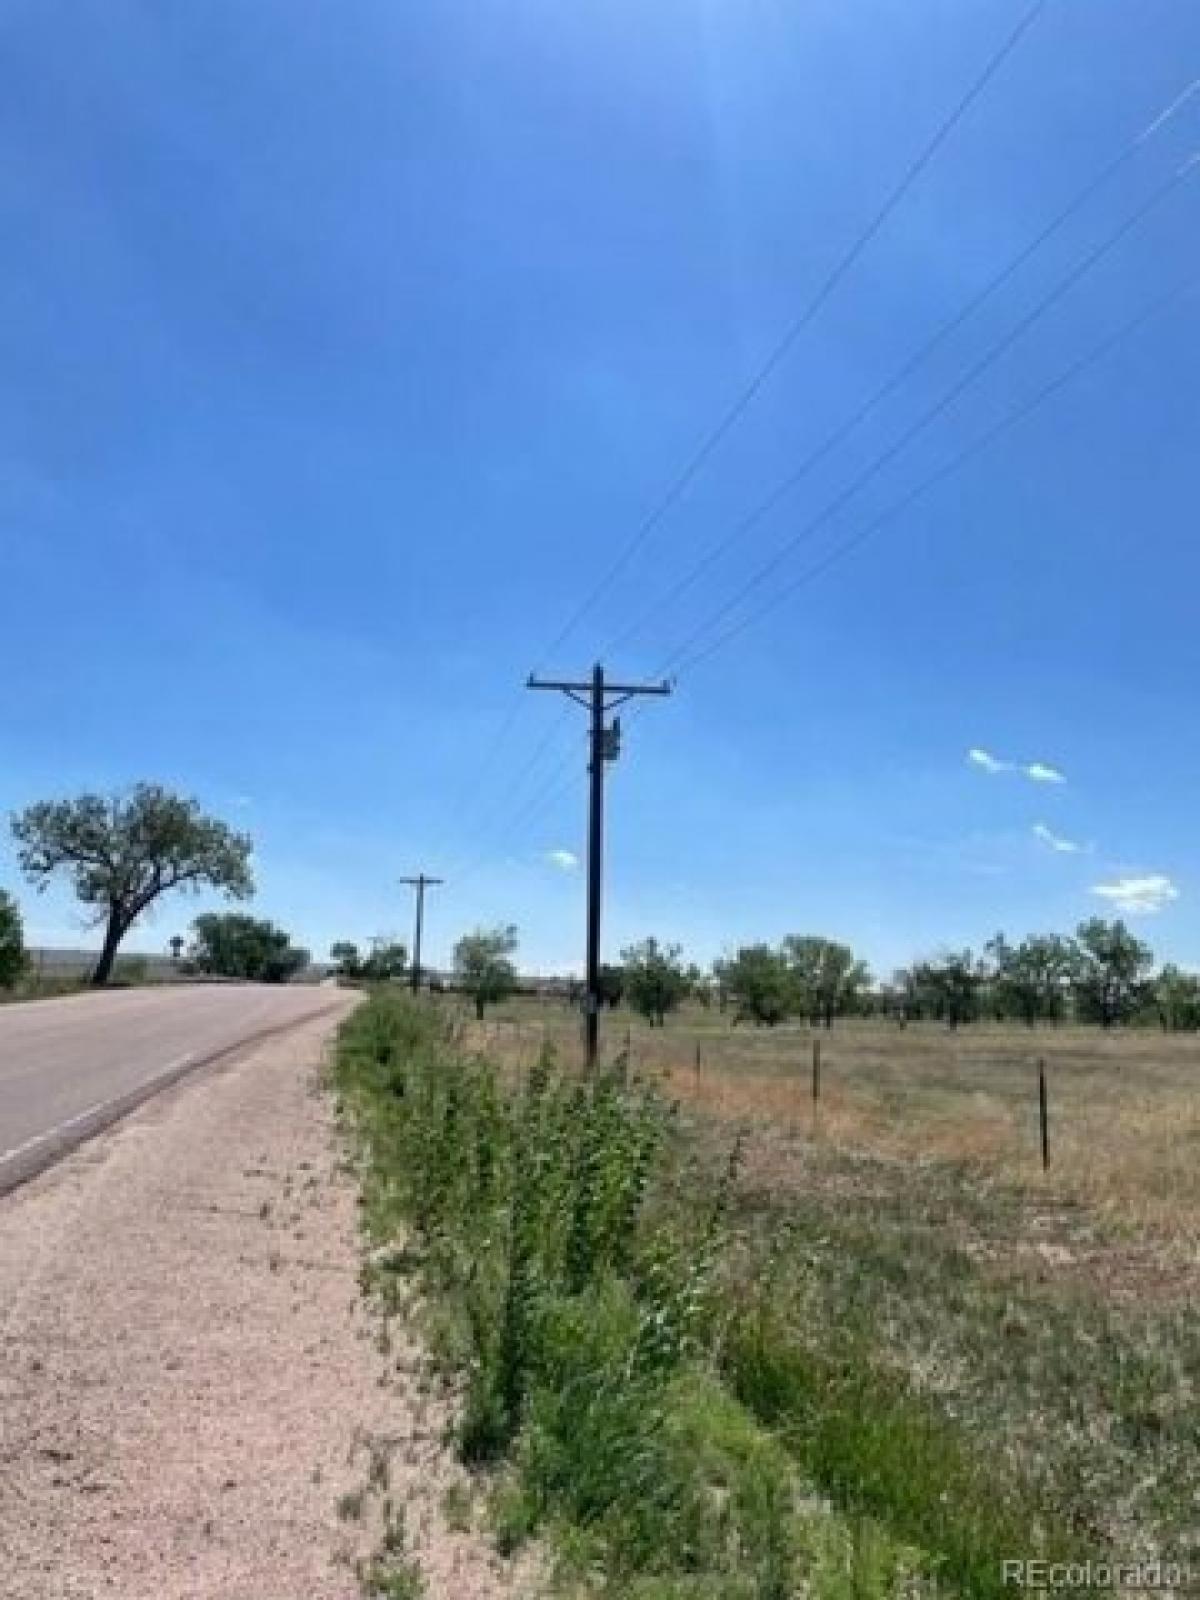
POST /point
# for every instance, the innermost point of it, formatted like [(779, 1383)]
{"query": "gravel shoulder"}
[(192, 1397)]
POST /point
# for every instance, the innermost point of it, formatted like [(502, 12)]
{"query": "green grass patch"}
[(641, 1408)]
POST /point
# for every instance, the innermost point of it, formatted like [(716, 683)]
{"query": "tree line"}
[(1101, 974), (484, 968), (122, 853)]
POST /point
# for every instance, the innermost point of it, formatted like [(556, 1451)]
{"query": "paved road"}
[(70, 1066)]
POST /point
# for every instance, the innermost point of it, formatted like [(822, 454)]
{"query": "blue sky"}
[(345, 345)]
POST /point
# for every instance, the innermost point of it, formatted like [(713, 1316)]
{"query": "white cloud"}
[(989, 763), (1035, 771), (564, 860), (1149, 894), (1055, 840)]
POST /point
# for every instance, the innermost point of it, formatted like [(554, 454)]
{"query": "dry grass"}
[(1124, 1107), (1051, 1317)]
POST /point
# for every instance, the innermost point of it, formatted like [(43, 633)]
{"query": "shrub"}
[(13, 959), (575, 1288)]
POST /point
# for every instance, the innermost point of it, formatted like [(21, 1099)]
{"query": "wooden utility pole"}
[(598, 697), (420, 883)]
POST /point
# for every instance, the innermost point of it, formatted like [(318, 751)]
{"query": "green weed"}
[(652, 1412)]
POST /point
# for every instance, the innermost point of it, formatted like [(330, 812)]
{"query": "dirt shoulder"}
[(191, 1396)]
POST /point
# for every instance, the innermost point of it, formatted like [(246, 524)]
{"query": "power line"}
[(563, 776), (948, 469), (696, 653), (470, 784), (825, 290), (556, 783), (744, 399), (1099, 179), (975, 371), (513, 789)]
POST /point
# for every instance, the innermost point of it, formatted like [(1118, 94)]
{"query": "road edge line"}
[(47, 1149)]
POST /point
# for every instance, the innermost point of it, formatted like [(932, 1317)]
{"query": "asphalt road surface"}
[(69, 1067)]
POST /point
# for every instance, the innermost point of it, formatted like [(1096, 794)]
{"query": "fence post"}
[(816, 1070), (697, 1061), (1043, 1114)]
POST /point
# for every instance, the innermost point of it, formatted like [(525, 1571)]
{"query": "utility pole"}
[(598, 697), (420, 883)]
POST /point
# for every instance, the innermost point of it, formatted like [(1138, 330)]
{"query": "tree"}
[(611, 986), (1176, 997), (949, 985), (13, 959), (231, 944), (758, 981), (719, 985), (895, 999), (1109, 971), (483, 965), (388, 959), (655, 980), (347, 958), (906, 998), (122, 852), (827, 975), (700, 984), (1030, 979)]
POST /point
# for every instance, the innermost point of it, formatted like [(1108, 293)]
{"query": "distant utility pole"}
[(420, 883), (598, 697)]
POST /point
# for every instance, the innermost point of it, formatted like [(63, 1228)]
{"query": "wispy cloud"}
[(1138, 895), (1035, 771), (1067, 847), (564, 860), (988, 762)]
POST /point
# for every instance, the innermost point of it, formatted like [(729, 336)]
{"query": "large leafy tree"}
[(1109, 972), (655, 979), (906, 998), (828, 976), (388, 959), (1176, 996), (122, 852), (230, 944), (13, 959), (347, 957), (759, 982), (949, 986), (1030, 979), (484, 967)]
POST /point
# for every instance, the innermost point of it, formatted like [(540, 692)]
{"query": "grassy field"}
[(1051, 1317), (909, 1354), (1124, 1106)]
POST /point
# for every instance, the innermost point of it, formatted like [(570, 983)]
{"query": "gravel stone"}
[(189, 1382)]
